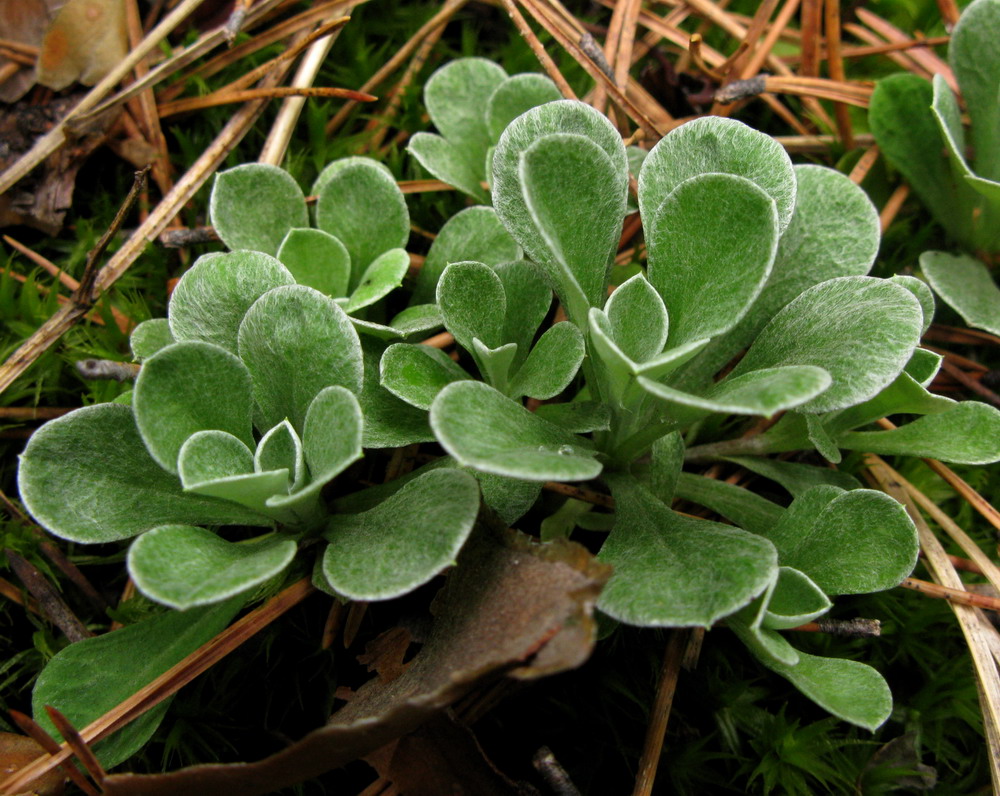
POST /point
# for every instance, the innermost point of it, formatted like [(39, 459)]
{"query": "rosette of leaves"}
[(356, 251), (249, 402), (918, 125), (471, 101), (745, 251)]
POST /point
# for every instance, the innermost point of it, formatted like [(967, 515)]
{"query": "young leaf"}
[(924, 295), (514, 96), (473, 304), (794, 601), (487, 431), (335, 167), (417, 373), (318, 260), (473, 234), (820, 437), (149, 337), (712, 243), (189, 387), (88, 477), (212, 297), (551, 365), (637, 319), (747, 509), (967, 433), (87, 679), (450, 162), (966, 286), (361, 205), (666, 459), (331, 439), (295, 341), (385, 273), (281, 449), (253, 206), (793, 476), (580, 417), (528, 300), (860, 329), (716, 145), (403, 542), (183, 566), (676, 571), (389, 421), (456, 96)]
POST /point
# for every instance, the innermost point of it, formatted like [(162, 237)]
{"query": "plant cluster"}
[(278, 365)]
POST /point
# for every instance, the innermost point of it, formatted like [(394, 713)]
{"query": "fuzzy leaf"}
[(711, 243), (968, 433), (487, 431), (637, 319), (860, 329), (922, 294), (580, 417), (253, 206), (966, 286), (528, 300), (795, 477), (820, 437), (296, 341), (972, 53), (210, 300), (552, 363), (335, 167), (281, 449), (716, 145), (473, 304), (607, 188), (183, 566), (189, 387), (87, 679), (88, 477), (456, 96), (318, 260), (903, 396), (794, 601), (403, 542), (676, 571), (389, 421), (384, 275), (417, 373), (331, 439), (149, 337), (450, 162), (473, 234), (666, 459), (514, 96), (362, 206), (747, 509)]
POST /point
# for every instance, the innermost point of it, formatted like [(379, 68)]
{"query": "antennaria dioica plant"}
[(277, 366)]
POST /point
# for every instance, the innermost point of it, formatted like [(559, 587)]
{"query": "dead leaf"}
[(509, 599), (385, 653), (16, 751), (22, 22), (85, 41)]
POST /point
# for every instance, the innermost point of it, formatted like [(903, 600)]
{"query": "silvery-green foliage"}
[(915, 122)]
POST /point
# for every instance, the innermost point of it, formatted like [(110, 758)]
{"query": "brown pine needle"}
[(864, 165), (79, 746), (960, 596), (893, 206), (536, 47), (821, 88), (31, 728), (246, 95)]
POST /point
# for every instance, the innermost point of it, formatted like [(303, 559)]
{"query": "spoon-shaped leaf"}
[(281, 449), (88, 477), (384, 275), (417, 373), (183, 566), (149, 337), (485, 430), (514, 96), (972, 53), (317, 259), (456, 96), (796, 599), (637, 319), (966, 286), (253, 206), (451, 163), (404, 541), (473, 304), (552, 363)]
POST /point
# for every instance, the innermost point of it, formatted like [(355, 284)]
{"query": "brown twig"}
[(536, 47), (579, 493), (355, 614), (49, 600), (960, 596), (246, 95)]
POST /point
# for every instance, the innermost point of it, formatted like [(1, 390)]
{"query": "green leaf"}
[(923, 366), (745, 508), (362, 206), (821, 439), (860, 329), (528, 300), (389, 421), (149, 337), (968, 433), (331, 439), (483, 429), (417, 373), (966, 286), (281, 449), (418, 319), (580, 417), (88, 477), (903, 396), (183, 566), (318, 260), (456, 96), (972, 53), (637, 319), (555, 191), (253, 206), (666, 459), (451, 163), (552, 363), (403, 542), (575, 196), (793, 476), (189, 387), (716, 145), (87, 679), (514, 96), (210, 300), (295, 341), (676, 571), (473, 304), (473, 234), (847, 542), (333, 168), (921, 293), (712, 243), (385, 274), (794, 601)]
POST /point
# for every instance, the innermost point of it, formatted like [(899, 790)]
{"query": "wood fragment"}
[(835, 68), (278, 92), (848, 628), (579, 493), (864, 165), (960, 596), (553, 773)]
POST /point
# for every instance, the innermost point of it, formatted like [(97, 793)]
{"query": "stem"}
[(755, 446)]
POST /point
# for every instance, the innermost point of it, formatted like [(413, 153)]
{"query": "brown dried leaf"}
[(85, 41), (16, 751), (506, 603), (23, 22)]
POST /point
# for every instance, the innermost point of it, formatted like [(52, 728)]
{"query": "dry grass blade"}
[(246, 95), (839, 91), (169, 682), (892, 206), (536, 47), (980, 635)]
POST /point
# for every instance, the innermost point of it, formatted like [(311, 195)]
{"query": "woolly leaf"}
[(514, 96), (745, 508), (794, 601), (972, 53), (551, 365), (793, 476), (253, 206), (149, 337), (417, 373), (385, 273), (456, 96), (389, 421), (450, 162), (966, 286), (528, 300), (318, 260), (637, 319), (473, 304), (281, 449)]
